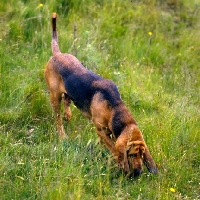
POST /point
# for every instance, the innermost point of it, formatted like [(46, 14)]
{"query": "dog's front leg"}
[(108, 142)]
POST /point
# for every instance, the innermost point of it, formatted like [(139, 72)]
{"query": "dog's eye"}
[(134, 155)]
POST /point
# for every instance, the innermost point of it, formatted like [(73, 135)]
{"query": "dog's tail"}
[(54, 43)]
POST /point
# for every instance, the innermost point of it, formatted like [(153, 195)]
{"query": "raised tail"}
[(54, 43)]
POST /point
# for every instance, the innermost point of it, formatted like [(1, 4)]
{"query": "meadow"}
[(149, 48)]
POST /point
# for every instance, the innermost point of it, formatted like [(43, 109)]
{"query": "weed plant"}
[(149, 48)]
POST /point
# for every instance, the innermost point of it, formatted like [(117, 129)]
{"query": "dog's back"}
[(80, 83), (92, 95)]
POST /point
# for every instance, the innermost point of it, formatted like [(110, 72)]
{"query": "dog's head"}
[(133, 156), (133, 152)]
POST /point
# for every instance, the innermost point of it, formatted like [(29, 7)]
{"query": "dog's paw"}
[(67, 115)]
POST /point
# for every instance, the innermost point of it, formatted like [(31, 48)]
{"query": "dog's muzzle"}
[(137, 172)]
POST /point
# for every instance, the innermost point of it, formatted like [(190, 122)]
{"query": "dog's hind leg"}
[(67, 110), (56, 89), (55, 103)]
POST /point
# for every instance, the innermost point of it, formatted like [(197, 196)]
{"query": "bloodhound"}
[(99, 100)]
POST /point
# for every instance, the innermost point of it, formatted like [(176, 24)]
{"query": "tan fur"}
[(128, 146)]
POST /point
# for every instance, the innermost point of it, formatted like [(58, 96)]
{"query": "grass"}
[(151, 51)]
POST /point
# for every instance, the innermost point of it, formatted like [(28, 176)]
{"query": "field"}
[(149, 48)]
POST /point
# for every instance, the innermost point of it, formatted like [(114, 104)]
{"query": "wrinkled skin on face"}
[(133, 152)]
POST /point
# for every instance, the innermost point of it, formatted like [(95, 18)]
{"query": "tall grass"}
[(151, 51)]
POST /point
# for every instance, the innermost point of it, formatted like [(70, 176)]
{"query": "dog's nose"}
[(137, 172)]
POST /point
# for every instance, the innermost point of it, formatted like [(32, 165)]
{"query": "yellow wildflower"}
[(172, 190), (150, 33), (40, 5)]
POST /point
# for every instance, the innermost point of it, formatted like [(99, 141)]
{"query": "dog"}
[(99, 100)]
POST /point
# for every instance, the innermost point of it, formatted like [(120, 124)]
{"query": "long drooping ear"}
[(126, 165), (120, 146), (123, 158), (149, 162)]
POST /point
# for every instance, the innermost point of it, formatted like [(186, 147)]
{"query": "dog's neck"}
[(121, 119)]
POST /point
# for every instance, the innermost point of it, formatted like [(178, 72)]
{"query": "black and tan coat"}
[(99, 100)]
